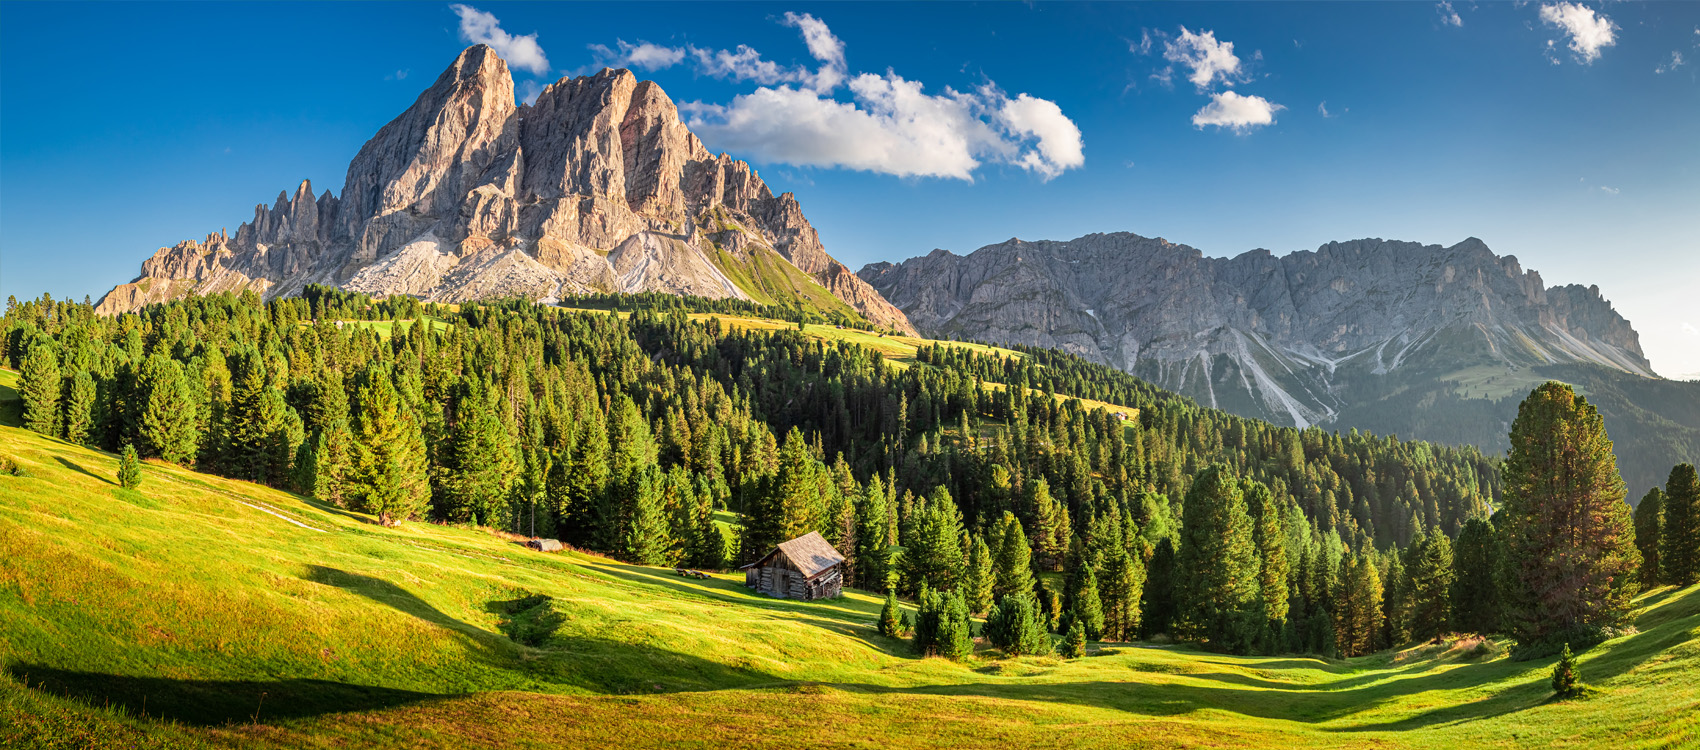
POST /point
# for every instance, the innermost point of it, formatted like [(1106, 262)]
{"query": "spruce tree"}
[(1565, 682), (1074, 644), (80, 396), (873, 556), (1649, 535), (387, 474), (1012, 565), (331, 463), (252, 420), (169, 425), (891, 616), (1431, 578), (479, 458), (1570, 566), (1358, 615), (645, 539), (1679, 545), (1271, 539), (129, 469), (1157, 606), (1219, 560), (1475, 596), (1396, 599), (39, 384), (1051, 529), (1080, 591), (933, 556), (979, 578)]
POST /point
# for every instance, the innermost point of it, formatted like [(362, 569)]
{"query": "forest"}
[(972, 483)]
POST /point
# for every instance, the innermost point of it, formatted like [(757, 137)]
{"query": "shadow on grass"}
[(386, 593), (211, 702), (74, 466)]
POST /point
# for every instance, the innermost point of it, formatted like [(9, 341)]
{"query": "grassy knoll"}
[(207, 612)]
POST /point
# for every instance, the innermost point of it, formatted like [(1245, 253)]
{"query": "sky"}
[(1566, 134)]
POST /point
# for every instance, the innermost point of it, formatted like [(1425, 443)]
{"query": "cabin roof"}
[(810, 553)]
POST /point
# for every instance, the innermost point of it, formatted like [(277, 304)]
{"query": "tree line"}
[(973, 482)]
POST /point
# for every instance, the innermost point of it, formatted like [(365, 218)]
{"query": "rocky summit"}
[(1423, 341), (597, 186)]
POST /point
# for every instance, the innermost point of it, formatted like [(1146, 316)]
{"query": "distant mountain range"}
[(1422, 341), (597, 186)]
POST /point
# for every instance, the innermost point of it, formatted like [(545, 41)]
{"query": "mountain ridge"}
[(596, 186)]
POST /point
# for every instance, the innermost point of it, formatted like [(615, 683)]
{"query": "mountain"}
[(1423, 341), (597, 186)]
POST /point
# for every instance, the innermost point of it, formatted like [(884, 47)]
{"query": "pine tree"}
[(252, 420), (1649, 535), (1570, 566), (331, 463), (1051, 532), (1014, 627), (873, 555), (129, 469), (1219, 558), (1124, 579), (1358, 615), (891, 616), (1431, 578), (1565, 683), (387, 471), (79, 408), (942, 627), (1012, 562), (39, 384), (1074, 644), (1475, 596), (1679, 543), (979, 578), (933, 556), (1080, 591), (645, 539), (1396, 600), (1158, 604)]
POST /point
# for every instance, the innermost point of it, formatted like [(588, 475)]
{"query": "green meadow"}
[(200, 611)]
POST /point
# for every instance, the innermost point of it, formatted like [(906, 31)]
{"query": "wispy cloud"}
[(1609, 190), (1448, 16), (1589, 31), (400, 75), (521, 52), (1241, 114), (1673, 63), (1322, 109), (640, 56)]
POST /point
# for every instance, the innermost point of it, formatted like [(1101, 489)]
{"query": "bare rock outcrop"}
[(596, 186)]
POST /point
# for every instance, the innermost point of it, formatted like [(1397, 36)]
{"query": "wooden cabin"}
[(804, 568)]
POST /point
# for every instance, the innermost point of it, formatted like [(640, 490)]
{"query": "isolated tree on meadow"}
[(1571, 563), (129, 469), (1679, 540), (891, 616), (1016, 628), (1074, 643)]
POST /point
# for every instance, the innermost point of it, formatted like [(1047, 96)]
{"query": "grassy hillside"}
[(206, 612)]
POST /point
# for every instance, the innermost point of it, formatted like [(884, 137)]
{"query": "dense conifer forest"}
[(976, 482)]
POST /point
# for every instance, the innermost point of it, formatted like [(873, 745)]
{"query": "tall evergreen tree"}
[(1679, 545), (1358, 615), (387, 475), (39, 384), (1396, 598), (1219, 558), (1649, 535), (979, 578), (479, 458), (1051, 527), (1080, 591), (80, 394), (1270, 537), (1015, 627), (252, 420), (169, 427), (1012, 561), (1570, 551), (942, 626), (1431, 577), (1475, 596), (1124, 578), (873, 548), (933, 556)]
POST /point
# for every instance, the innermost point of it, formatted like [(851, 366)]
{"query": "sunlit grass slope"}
[(205, 612)]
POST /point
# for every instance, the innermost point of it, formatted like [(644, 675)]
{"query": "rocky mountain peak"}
[(596, 185)]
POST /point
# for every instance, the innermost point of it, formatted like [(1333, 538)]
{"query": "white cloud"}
[(399, 75), (1589, 31), (1208, 58), (824, 47), (1241, 114), (894, 127), (521, 52), (641, 56), (1322, 109), (1448, 16), (1675, 62), (1609, 190)]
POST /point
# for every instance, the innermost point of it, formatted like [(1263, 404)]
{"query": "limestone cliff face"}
[(596, 186), (1294, 339)]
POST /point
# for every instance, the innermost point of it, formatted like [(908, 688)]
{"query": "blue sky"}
[(1566, 134)]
